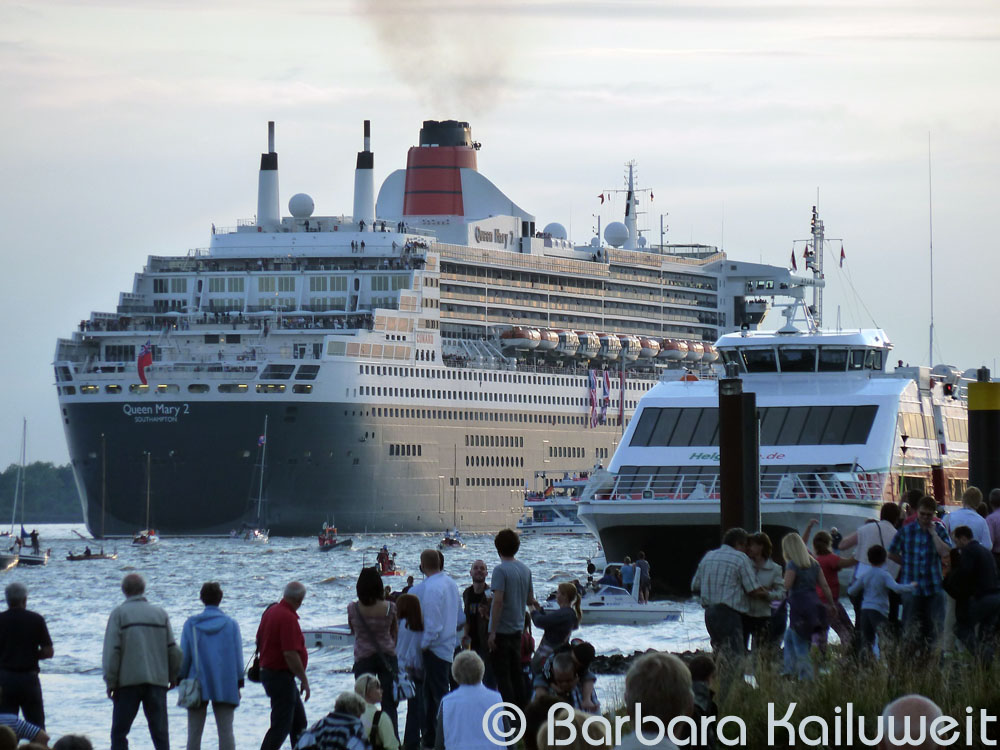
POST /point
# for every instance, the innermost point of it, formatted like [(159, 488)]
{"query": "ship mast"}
[(817, 266), (263, 458), (631, 209)]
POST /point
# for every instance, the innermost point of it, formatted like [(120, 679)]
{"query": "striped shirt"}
[(23, 729), (724, 576)]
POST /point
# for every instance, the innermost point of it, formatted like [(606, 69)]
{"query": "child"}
[(831, 563), (702, 668), (876, 583)]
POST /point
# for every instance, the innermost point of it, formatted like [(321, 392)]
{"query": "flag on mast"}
[(842, 256), (795, 266)]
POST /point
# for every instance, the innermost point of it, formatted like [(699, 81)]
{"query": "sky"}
[(127, 128)]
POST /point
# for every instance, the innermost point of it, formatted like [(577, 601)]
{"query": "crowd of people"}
[(920, 573)]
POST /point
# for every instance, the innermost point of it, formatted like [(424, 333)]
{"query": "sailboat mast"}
[(148, 485), (930, 231), (263, 459), (104, 482), (20, 476)]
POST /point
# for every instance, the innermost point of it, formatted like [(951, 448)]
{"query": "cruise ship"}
[(414, 362), (840, 433)]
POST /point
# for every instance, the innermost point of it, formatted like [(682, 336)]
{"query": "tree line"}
[(49, 494)]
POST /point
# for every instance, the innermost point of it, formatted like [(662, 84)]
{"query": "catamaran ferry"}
[(840, 433), (415, 362)]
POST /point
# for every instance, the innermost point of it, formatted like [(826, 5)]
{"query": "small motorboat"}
[(88, 555), (145, 538), (614, 605), (34, 558), (332, 636), (452, 540), (328, 539), (386, 564)]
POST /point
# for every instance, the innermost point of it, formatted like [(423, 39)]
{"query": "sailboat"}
[(452, 537), (257, 532), (148, 535), (87, 553), (35, 556)]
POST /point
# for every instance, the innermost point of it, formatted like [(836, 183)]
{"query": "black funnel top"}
[(445, 133)]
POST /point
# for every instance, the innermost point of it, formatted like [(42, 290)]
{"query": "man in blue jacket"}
[(213, 653)]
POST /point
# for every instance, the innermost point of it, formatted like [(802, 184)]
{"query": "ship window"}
[(270, 388), (307, 372), (832, 360), (794, 422), (860, 425), (707, 432), (211, 338), (171, 388), (69, 390), (277, 372), (836, 426), (302, 388), (797, 360), (759, 360), (112, 389), (232, 338), (89, 389), (138, 388), (812, 432), (857, 360), (233, 388), (198, 388), (873, 359)]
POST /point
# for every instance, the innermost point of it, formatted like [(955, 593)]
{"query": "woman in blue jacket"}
[(218, 667)]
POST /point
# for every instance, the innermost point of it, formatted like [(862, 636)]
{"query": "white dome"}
[(557, 230), (301, 206), (616, 234)]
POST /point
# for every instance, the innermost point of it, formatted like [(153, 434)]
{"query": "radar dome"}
[(616, 234), (301, 206), (557, 230)]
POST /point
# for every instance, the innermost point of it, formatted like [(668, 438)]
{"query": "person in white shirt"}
[(440, 606), (457, 728), (968, 515)]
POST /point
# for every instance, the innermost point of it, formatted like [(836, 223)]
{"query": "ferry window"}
[(707, 431), (89, 389), (771, 421), (792, 428), (812, 432), (759, 360), (873, 360), (232, 338), (270, 387), (137, 388), (664, 430), (211, 338), (832, 360), (860, 424), (857, 361), (728, 358), (233, 388), (69, 390), (797, 360), (836, 426), (198, 388)]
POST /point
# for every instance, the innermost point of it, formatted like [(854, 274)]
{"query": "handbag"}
[(253, 668), (189, 689)]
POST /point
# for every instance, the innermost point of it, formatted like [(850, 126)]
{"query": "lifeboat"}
[(630, 347), (611, 346), (673, 349), (569, 343), (549, 339), (711, 354), (590, 344), (650, 348), (520, 338), (696, 350)]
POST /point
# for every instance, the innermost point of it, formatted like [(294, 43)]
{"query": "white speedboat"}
[(614, 605), (332, 636)]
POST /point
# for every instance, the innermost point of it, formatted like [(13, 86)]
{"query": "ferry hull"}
[(675, 536), (325, 461)]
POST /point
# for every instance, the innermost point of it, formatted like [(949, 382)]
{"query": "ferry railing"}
[(840, 486)]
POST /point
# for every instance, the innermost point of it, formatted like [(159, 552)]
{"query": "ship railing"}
[(827, 486)]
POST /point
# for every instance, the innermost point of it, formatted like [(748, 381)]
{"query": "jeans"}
[(983, 615), (436, 672), (414, 718), (288, 715), (126, 705), (223, 723), (725, 628), (870, 623), (22, 690), (798, 664), (506, 661), (925, 614), (385, 668)]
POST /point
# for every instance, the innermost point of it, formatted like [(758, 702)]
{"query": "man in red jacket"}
[(283, 657)]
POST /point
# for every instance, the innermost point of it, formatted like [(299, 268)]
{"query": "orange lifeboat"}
[(711, 354), (548, 340), (569, 343), (630, 347), (520, 339), (696, 350), (673, 349), (650, 348), (590, 344), (611, 346)]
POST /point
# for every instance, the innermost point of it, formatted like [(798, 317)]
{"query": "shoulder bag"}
[(253, 666), (189, 689)]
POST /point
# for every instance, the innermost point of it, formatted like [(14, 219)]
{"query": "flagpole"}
[(930, 232)]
